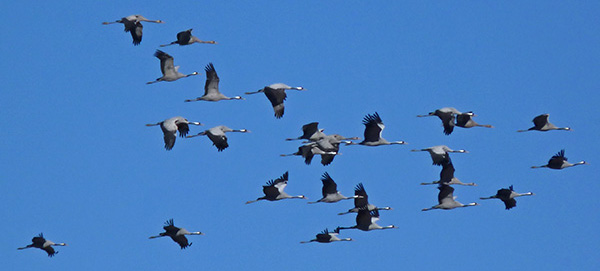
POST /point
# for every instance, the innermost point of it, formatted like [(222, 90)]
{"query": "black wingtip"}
[(210, 67), (169, 222), (326, 177), (372, 119)]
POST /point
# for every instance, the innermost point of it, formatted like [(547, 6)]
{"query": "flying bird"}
[(330, 147), (310, 132), (366, 221), (508, 195), (362, 201), (276, 95), (541, 123), (132, 24), (186, 38), (327, 237), (308, 151), (176, 234), (373, 129), (170, 72), (217, 136), (211, 87), (274, 190), (559, 161), (41, 243), (447, 115), (447, 175), (447, 200), (170, 128), (439, 154), (465, 120), (330, 192)]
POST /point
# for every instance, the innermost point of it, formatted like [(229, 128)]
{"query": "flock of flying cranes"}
[(317, 143)]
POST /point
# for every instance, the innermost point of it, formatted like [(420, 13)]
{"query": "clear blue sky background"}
[(78, 164)]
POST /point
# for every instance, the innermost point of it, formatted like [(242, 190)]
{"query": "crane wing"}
[(540, 120), (329, 186), (373, 127), (446, 194), (183, 37), (166, 63), (212, 80)]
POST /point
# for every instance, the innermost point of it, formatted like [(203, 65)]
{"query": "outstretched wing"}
[(166, 62), (373, 127), (446, 193), (329, 186), (281, 182), (359, 190), (540, 120), (136, 33), (183, 37), (309, 129), (212, 80)]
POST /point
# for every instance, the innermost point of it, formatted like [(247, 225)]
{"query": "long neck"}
[(347, 228), (196, 233), (579, 163), (59, 244), (484, 125), (524, 194), (539, 166), (470, 204), (251, 201)]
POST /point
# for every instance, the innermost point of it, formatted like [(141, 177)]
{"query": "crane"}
[(276, 95), (211, 87), (508, 195), (274, 190), (43, 244), (169, 71), (170, 128), (217, 135), (176, 234)]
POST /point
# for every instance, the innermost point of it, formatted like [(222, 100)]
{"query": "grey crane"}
[(41, 243), (373, 128), (132, 24), (363, 201), (366, 221), (170, 72), (170, 128), (447, 115), (541, 123), (176, 234), (447, 200), (439, 153), (274, 190), (276, 95), (465, 120), (310, 132), (327, 237), (211, 87), (186, 38), (559, 161), (308, 151), (217, 135), (447, 175), (508, 195), (330, 145), (329, 191)]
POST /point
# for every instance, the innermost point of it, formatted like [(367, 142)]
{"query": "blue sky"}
[(79, 165)]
